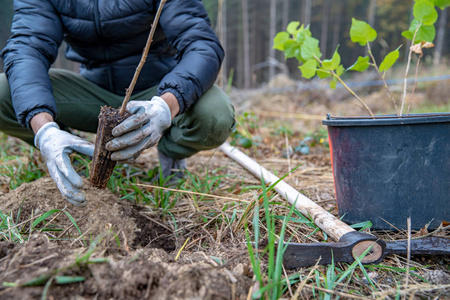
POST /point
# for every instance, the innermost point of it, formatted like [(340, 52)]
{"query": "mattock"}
[(350, 244)]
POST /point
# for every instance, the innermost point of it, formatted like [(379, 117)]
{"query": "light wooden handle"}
[(334, 227)]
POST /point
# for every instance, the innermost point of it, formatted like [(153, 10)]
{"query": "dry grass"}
[(216, 202)]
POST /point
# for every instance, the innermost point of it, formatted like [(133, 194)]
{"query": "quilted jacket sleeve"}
[(199, 53), (31, 49)]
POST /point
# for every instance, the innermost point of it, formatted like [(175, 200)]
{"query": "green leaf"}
[(333, 63), (389, 60), (360, 65), (340, 70), (279, 40), (302, 34), (425, 33), (442, 3), (298, 55), (322, 75), (333, 83), (290, 48), (309, 68), (361, 32), (245, 142), (292, 27), (310, 48), (425, 12)]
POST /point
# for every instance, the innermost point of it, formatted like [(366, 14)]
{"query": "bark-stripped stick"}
[(322, 218), (130, 89)]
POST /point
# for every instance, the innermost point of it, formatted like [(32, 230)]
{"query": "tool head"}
[(350, 246)]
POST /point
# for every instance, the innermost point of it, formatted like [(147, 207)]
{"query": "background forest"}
[(247, 27)]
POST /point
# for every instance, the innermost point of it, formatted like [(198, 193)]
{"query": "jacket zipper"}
[(98, 30)]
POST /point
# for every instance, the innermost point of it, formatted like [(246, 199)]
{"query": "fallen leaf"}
[(423, 231)]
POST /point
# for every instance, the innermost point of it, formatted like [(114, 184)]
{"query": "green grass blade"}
[(365, 273), (254, 261), (43, 217), (46, 288), (40, 280), (69, 279), (73, 222), (256, 225), (400, 270)]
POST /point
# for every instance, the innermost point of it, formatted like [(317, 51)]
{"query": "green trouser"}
[(204, 126)]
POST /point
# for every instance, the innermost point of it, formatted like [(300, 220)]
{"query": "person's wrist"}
[(41, 133), (40, 120), (172, 102)]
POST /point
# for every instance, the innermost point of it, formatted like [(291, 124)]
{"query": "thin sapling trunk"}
[(102, 165)]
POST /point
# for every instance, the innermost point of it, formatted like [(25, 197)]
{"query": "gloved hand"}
[(142, 130), (55, 146)]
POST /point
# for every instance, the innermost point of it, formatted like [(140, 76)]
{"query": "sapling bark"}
[(102, 165)]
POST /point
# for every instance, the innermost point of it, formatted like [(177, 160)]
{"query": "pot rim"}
[(410, 119)]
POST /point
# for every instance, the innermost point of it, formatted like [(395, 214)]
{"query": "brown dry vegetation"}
[(196, 249)]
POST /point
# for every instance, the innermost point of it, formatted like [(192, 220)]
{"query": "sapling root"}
[(102, 165)]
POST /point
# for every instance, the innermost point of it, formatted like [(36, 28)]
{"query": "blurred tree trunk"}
[(307, 12), (222, 30), (371, 17), (285, 15), (440, 37), (246, 44), (324, 35), (371, 12), (272, 31), (337, 23), (284, 24)]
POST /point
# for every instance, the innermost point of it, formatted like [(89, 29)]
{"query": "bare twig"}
[(288, 115), (405, 81), (130, 89), (189, 192), (348, 89), (288, 153), (302, 284), (382, 78), (408, 222), (345, 295), (415, 85)]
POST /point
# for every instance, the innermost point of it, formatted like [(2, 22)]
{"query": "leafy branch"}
[(297, 42)]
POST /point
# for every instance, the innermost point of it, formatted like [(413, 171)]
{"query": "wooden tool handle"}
[(334, 227)]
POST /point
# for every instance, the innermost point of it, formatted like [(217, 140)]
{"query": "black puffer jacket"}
[(107, 37)]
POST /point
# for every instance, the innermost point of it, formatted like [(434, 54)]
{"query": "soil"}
[(136, 253), (142, 267)]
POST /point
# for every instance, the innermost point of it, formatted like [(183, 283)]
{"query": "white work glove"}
[(142, 130), (55, 146)]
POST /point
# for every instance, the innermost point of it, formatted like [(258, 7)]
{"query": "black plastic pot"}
[(389, 168)]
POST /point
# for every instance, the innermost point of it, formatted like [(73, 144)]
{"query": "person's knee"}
[(216, 122), (5, 94), (5, 99)]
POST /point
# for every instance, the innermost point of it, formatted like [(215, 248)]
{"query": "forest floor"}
[(136, 240)]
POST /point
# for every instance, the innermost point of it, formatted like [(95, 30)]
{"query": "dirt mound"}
[(102, 213), (144, 274), (121, 253)]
